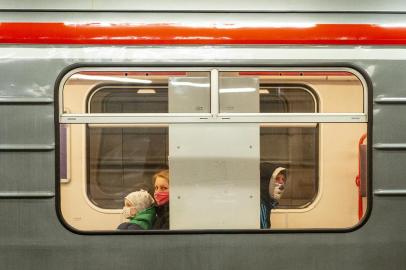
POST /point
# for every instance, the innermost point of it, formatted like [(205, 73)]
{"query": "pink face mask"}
[(161, 197)]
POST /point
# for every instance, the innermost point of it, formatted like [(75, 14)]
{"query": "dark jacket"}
[(128, 226), (162, 217)]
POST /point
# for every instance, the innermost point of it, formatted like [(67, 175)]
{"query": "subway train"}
[(93, 104)]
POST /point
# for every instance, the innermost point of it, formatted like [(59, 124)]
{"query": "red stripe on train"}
[(212, 34)]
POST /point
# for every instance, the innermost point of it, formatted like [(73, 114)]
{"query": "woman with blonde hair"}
[(161, 195)]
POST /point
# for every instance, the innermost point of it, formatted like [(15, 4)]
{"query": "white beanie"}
[(141, 200)]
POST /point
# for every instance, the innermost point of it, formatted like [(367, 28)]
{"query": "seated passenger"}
[(139, 210), (272, 186), (161, 195)]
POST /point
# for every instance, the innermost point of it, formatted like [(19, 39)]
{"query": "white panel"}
[(225, 5), (239, 95), (260, 5), (214, 176), (189, 95), (46, 4), (204, 54)]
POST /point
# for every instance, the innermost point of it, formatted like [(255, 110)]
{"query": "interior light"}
[(237, 90), (190, 84), (146, 91), (263, 91)]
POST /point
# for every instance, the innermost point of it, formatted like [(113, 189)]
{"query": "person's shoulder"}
[(134, 227), (128, 226), (123, 226)]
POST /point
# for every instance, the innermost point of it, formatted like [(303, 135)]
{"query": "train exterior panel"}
[(39, 49)]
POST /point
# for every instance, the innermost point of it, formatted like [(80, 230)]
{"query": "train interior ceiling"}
[(214, 168)]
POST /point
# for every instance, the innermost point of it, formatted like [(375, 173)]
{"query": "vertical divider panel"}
[(214, 172)]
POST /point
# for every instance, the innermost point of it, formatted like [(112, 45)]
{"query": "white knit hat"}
[(141, 200)]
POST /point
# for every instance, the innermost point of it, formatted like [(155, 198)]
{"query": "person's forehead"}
[(281, 174), (161, 179)]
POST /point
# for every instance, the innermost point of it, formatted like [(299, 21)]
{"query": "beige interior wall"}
[(76, 208), (332, 91), (335, 207)]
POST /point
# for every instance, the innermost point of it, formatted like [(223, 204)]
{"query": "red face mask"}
[(161, 197)]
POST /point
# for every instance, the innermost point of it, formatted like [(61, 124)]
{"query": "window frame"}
[(271, 118), (214, 115)]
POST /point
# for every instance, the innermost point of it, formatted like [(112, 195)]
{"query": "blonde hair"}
[(163, 174)]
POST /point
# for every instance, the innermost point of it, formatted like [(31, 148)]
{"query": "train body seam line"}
[(390, 192), (26, 195)]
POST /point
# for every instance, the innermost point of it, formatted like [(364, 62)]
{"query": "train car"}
[(95, 104)]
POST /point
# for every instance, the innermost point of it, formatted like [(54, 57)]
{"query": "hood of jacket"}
[(268, 173)]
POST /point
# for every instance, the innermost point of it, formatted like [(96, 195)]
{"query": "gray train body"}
[(33, 237)]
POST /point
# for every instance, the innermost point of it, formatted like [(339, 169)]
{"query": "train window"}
[(138, 92), (212, 148), (286, 98), (121, 160), (295, 148), (252, 92)]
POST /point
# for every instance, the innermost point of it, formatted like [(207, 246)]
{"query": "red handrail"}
[(358, 177)]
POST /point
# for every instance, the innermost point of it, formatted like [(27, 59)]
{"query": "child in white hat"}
[(139, 209)]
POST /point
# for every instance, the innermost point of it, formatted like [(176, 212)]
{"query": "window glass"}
[(216, 171), (115, 99), (286, 98), (258, 92), (205, 163), (294, 148), (137, 92), (122, 160)]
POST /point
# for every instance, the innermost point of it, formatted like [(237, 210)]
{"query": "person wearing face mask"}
[(272, 186), (161, 196), (140, 211)]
